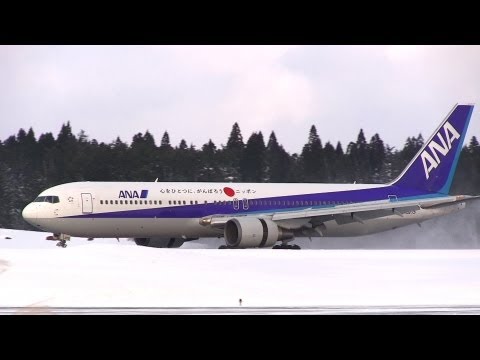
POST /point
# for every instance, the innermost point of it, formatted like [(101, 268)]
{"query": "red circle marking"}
[(228, 191)]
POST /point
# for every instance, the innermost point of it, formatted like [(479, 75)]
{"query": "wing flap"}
[(392, 206)]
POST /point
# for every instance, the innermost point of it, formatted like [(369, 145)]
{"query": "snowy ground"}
[(36, 274)]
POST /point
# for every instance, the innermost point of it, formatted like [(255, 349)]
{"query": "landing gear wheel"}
[(62, 243), (289, 247)]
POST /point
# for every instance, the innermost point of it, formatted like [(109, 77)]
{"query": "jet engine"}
[(248, 232)]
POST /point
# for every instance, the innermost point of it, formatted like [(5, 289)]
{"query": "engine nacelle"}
[(160, 242), (248, 232)]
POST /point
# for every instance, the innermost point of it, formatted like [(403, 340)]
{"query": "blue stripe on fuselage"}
[(337, 198)]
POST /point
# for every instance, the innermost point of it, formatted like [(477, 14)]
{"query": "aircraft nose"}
[(29, 213)]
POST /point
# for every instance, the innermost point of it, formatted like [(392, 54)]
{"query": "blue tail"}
[(432, 169)]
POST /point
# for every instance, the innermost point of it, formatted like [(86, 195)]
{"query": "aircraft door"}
[(87, 205), (235, 204), (245, 204)]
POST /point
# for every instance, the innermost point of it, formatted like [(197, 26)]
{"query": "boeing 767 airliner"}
[(258, 215)]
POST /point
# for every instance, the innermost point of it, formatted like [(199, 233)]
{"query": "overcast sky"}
[(198, 92)]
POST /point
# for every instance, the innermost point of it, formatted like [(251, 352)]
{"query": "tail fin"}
[(432, 169)]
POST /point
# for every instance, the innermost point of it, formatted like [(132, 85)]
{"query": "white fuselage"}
[(174, 210)]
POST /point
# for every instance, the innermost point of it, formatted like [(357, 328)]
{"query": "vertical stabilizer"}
[(433, 167)]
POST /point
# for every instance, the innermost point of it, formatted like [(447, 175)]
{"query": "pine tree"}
[(312, 158), (341, 170), (252, 164), (183, 145), (235, 140), (277, 161), (165, 143), (209, 169), (376, 158), (330, 162), (143, 157), (233, 154)]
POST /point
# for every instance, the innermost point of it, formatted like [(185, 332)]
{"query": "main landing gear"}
[(285, 246)]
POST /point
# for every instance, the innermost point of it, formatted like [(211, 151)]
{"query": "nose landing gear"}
[(62, 239), (62, 243)]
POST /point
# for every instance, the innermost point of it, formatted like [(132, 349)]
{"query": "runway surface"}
[(118, 277), (323, 310)]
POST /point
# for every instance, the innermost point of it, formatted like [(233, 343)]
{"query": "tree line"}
[(28, 164)]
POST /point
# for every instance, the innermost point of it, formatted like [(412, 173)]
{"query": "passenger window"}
[(160, 202), (136, 202), (116, 202), (111, 202), (101, 202), (121, 202), (184, 202), (191, 202), (196, 202), (169, 202)]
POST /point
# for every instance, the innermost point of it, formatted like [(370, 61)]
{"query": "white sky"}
[(198, 92)]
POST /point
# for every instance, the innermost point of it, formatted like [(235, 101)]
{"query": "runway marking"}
[(320, 310)]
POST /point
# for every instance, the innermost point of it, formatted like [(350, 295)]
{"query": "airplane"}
[(258, 215)]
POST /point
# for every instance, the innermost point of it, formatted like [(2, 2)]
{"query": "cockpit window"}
[(50, 199)]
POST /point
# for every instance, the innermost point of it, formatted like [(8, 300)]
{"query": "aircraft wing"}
[(344, 214), (392, 207)]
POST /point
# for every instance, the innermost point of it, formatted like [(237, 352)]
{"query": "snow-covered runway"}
[(120, 277)]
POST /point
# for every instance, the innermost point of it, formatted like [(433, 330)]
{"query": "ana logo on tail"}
[(432, 158)]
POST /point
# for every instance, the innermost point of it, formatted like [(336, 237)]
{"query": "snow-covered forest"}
[(30, 163)]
